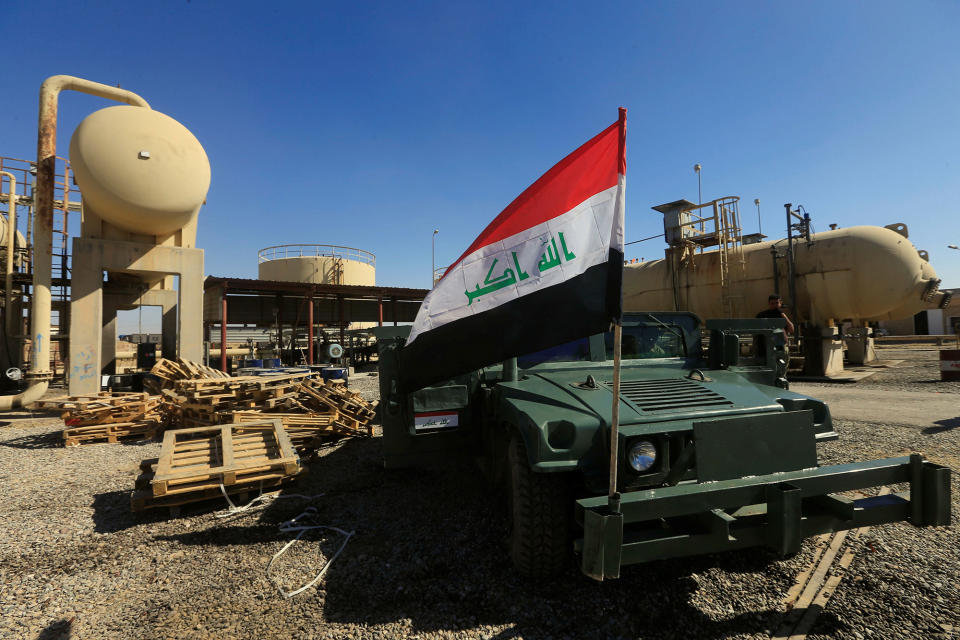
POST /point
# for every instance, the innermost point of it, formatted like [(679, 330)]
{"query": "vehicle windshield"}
[(646, 341), (574, 351), (645, 336)]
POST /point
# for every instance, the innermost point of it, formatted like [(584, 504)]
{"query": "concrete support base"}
[(860, 348), (93, 314), (822, 352)]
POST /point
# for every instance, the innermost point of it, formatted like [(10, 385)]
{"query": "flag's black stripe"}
[(578, 307)]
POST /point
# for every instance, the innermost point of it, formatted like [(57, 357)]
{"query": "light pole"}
[(697, 168), (756, 201), (433, 257)]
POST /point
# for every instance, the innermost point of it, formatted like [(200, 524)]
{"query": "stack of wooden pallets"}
[(205, 462), (209, 401), (106, 417), (166, 373), (353, 412)]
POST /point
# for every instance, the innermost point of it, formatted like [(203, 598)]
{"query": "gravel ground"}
[(918, 370), (428, 559)]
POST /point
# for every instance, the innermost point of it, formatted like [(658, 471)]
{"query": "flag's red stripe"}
[(585, 172)]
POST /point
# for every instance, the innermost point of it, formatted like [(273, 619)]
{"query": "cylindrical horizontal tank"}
[(859, 273), (318, 264), (139, 169), (20, 241)]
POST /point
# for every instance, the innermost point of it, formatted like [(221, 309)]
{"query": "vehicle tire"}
[(540, 507)]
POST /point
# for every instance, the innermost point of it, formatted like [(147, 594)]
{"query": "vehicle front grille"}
[(651, 396)]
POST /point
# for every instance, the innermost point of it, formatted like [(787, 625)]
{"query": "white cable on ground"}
[(293, 525), (262, 497), (290, 526)]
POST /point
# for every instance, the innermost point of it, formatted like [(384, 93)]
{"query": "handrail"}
[(281, 251)]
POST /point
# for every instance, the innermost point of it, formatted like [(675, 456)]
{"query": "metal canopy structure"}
[(269, 303)]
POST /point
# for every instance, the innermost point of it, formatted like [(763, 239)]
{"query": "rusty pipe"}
[(39, 374), (223, 333)]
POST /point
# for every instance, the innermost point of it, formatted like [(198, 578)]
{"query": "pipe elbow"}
[(33, 393)]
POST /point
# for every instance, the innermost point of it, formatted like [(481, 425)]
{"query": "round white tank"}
[(861, 273), (318, 264), (139, 169)]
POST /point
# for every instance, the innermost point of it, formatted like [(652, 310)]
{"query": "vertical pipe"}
[(340, 316), (380, 311), (43, 233), (791, 272), (310, 329), (11, 247), (223, 332)]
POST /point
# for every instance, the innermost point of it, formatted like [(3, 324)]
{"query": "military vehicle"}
[(715, 452)]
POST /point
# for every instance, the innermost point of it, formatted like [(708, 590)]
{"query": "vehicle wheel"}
[(540, 508)]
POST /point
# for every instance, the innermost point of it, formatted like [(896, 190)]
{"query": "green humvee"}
[(715, 452)]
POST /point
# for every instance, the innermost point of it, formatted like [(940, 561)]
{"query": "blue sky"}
[(369, 125)]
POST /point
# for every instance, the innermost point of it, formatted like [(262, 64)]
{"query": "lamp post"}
[(433, 257), (756, 201), (697, 168)]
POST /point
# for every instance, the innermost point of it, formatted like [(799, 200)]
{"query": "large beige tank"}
[(857, 273), (139, 170), (318, 264)]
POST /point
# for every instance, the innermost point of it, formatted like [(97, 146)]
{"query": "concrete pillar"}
[(190, 307), (822, 351), (85, 325), (860, 349)]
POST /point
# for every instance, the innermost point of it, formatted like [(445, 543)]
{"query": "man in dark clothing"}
[(774, 310)]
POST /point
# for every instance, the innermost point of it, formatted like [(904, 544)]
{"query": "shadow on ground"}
[(430, 547), (60, 630), (48, 440), (943, 425)]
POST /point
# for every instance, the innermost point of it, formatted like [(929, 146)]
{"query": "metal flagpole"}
[(613, 499)]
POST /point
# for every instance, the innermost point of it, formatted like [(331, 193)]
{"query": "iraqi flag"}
[(547, 270)]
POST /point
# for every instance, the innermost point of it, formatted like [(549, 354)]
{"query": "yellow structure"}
[(859, 274), (143, 177), (856, 273), (317, 264)]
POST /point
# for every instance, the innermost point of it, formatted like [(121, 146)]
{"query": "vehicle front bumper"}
[(777, 510)]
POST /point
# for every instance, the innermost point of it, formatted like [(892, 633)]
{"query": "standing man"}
[(774, 310)]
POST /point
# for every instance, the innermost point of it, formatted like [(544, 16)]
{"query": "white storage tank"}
[(317, 264)]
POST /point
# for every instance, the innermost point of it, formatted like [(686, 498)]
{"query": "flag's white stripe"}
[(589, 229)]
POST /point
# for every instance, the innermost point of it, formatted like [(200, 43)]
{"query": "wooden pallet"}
[(142, 497), (205, 457), (350, 406), (111, 433), (308, 431)]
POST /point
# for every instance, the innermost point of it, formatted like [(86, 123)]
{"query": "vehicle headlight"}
[(642, 455)]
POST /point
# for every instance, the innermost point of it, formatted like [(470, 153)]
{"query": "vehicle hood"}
[(649, 393)]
